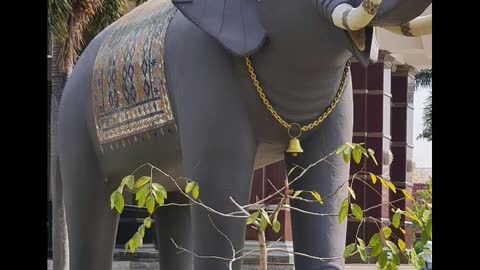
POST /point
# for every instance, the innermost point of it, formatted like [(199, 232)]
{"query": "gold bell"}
[(294, 147)]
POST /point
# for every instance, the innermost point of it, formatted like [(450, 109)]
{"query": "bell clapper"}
[(294, 146)]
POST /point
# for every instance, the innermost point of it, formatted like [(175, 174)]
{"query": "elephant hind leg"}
[(91, 224), (173, 222)]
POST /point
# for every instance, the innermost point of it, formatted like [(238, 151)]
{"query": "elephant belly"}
[(161, 149), (267, 154)]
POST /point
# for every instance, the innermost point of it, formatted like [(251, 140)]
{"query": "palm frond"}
[(427, 119), (58, 12), (73, 22), (109, 12), (82, 13), (423, 78), (139, 2)]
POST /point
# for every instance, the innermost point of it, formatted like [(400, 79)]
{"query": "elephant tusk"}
[(419, 26), (352, 19)]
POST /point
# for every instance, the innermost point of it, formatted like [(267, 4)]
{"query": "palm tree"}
[(71, 25), (424, 79)]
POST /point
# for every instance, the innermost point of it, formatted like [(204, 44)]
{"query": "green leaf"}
[(113, 198), (189, 187), (141, 202), (141, 230), (363, 253), (349, 250), (395, 259), (392, 246), (386, 232), (341, 149), (374, 240), (161, 189), (426, 215), (357, 154), (263, 223), (424, 237), (357, 211), (382, 260), (383, 181), (403, 231), (138, 239), (361, 242), (252, 218), (150, 204), (131, 243), (377, 249), (297, 193), (374, 178), (372, 154), (291, 170), (428, 229), (196, 191), (116, 200), (392, 266), (159, 197), (346, 157), (352, 193), (396, 219), (401, 245), (148, 222), (142, 193), (343, 211), (317, 196), (129, 181), (409, 213), (276, 226), (407, 194), (142, 181), (265, 215), (127, 245), (391, 186)]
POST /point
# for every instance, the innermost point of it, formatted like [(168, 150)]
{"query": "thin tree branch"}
[(308, 212), (199, 256), (228, 239), (378, 205), (192, 200), (305, 255), (291, 182)]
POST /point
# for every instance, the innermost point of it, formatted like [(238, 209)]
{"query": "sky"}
[(422, 149)]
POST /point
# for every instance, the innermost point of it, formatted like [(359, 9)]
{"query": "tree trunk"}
[(59, 226), (262, 249)]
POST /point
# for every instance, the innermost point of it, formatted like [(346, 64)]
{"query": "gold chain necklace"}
[(294, 145)]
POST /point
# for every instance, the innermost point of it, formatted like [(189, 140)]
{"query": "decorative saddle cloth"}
[(130, 97)]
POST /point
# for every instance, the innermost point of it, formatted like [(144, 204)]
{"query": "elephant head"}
[(237, 26)]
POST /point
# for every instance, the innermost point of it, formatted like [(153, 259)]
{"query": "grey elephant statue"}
[(211, 90)]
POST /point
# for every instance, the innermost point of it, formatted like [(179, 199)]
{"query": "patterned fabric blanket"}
[(129, 88)]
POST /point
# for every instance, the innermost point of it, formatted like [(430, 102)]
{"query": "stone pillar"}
[(372, 101), (403, 86)]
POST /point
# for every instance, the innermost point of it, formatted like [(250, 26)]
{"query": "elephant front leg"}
[(322, 236), (221, 162)]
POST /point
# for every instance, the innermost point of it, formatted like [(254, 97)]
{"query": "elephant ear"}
[(234, 23), (363, 45)]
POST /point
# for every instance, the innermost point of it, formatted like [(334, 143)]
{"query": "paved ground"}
[(128, 265)]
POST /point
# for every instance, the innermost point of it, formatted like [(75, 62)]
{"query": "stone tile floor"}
[(130, 265)]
